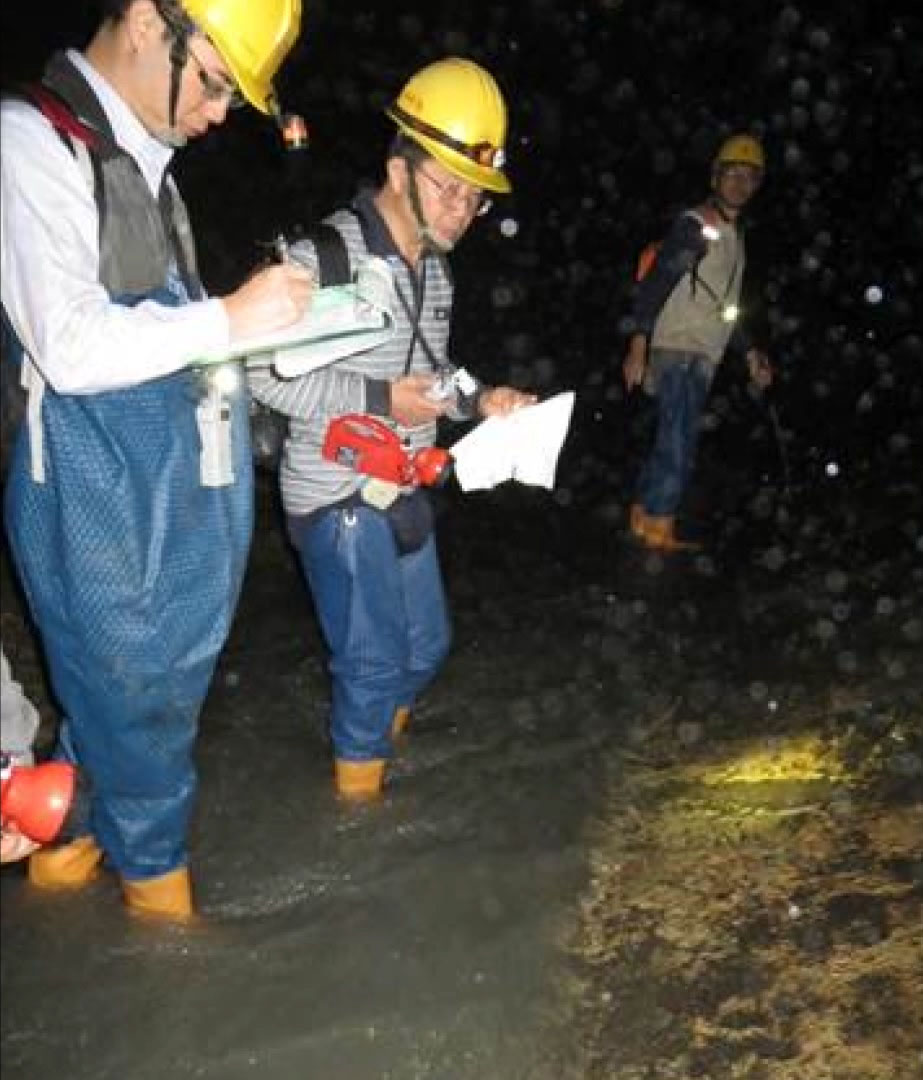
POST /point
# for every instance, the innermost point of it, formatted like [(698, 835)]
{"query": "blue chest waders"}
[(132, 570)]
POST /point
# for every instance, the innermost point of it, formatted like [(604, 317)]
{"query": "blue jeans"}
[(384, 619), (682, 381)]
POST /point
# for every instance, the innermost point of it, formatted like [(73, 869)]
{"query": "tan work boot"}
[(400, 722), (168, 896), (70, 866), (660, 534), (360, 779), (637, 518)]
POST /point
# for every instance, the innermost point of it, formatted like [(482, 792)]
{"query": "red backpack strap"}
[(646, 260), (60, 115)]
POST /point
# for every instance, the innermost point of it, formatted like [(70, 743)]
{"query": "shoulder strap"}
[(332, 254), (647, 257), (711, 217), (708, 214), (83, 141), (182, 246), (60, 115)]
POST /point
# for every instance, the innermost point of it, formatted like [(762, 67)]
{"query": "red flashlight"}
[(369, 446), (432, 466), (36, 799)]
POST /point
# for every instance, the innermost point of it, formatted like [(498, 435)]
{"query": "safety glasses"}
[(452, 192), (739, 170), (215, 87)]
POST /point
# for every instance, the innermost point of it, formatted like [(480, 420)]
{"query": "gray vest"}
[(692, 319), (141, 239)]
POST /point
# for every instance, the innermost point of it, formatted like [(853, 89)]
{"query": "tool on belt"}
[(369, 446)]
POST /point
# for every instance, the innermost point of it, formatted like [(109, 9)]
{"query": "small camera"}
[(444, 387), (450, 383)]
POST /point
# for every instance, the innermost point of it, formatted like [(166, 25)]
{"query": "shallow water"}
[(429, 935)]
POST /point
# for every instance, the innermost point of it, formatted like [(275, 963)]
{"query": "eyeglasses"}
[(216, 88), (739, 170), (453, 192)]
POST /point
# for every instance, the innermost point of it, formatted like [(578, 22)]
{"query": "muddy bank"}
[(755, 911)]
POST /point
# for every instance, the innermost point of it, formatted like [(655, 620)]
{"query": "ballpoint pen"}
[(280, 246)]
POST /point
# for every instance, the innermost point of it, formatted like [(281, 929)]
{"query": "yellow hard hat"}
[(455, 111), (252, 36), (741, 150)]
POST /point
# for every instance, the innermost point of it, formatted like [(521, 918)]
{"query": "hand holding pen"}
[(273, 298), (280, 247)]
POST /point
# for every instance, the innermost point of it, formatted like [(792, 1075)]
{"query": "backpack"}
[(710, 219)]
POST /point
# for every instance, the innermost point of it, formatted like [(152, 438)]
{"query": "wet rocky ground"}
[(657, 819)]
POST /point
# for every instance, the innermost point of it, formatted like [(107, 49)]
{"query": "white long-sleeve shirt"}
[(82, 342)]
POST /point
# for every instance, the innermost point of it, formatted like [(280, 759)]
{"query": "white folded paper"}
[(342, 320), (523, 445)]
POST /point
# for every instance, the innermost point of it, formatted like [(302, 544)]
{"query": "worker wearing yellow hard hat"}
[(129, 497), (357, 533), (686, 315)]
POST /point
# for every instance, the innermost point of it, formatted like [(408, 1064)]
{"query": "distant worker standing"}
[(685, 316)]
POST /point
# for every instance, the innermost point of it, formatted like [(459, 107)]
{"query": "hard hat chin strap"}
[(179, 55), (179, 27), (424, 232)]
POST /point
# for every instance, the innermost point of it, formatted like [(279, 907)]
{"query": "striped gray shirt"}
[(311, 401)]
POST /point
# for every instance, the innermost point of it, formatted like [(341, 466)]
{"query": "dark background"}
[(616, 109), (550, 760)]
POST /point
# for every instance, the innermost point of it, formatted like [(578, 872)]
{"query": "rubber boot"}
[(70, 866), (660, 534), (167, 897), (637, 518), (360, 779), (400, 722)]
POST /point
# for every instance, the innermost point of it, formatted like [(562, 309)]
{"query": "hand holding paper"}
[(523, 446)]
